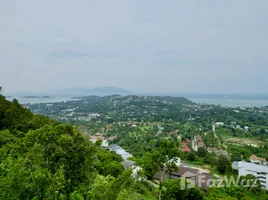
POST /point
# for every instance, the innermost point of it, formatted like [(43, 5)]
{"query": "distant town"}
[(211, 140)]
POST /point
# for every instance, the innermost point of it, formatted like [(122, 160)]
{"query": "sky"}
[(168, 46)]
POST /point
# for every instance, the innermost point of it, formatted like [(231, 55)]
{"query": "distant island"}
[(36, 97)]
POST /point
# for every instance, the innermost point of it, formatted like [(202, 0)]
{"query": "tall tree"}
[(161, 160), (223, 164)]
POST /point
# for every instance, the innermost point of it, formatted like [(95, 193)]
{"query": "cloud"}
[(158, 46)]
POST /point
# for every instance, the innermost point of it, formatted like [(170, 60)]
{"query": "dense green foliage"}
[(43, 159), (174, 191)]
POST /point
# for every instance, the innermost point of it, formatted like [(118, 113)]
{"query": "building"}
[(186, 149), (98, 136), (119, 151), (219, 124), (259, 171), (257, 160), (185, 146), (197, 143), (200, 179), (95, 138), (188, 141), (246, 128)]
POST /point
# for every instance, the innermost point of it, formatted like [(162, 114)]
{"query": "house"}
[(197, 143), (111, 138), (195, 176), (185, 146), (259, 171), (95, 138), (219, 124), (199, 179), (99, 136), (186, 149), (257, 160), (119, 151), (186, 172)]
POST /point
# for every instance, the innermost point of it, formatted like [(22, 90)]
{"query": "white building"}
[(119, 151), (259, 171), (219, 124)]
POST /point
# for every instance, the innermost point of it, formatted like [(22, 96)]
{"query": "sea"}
[(52, 99), (226, 100), (230, 100)]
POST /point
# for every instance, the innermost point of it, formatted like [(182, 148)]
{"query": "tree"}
[(223, 164), (160, 160), (250, 182), (202, 152), (175, 192), (191, 156), (171, 166)]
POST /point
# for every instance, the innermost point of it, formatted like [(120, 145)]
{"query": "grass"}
[(244, 141), (143, 129)]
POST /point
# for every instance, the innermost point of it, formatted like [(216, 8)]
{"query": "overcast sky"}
[(141, 45)]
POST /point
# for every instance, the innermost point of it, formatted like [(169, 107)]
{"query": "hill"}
[(174, 100), (44, 159)]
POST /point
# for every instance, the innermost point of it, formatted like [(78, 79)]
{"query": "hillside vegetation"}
[(43, 159)]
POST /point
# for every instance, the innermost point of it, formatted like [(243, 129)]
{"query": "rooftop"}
[(252, 167), (256, 158), (120, 151)]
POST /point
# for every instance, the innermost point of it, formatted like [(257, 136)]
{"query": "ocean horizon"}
[(230, 100)]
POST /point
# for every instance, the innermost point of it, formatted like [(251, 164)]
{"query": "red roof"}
[(186, 149)]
